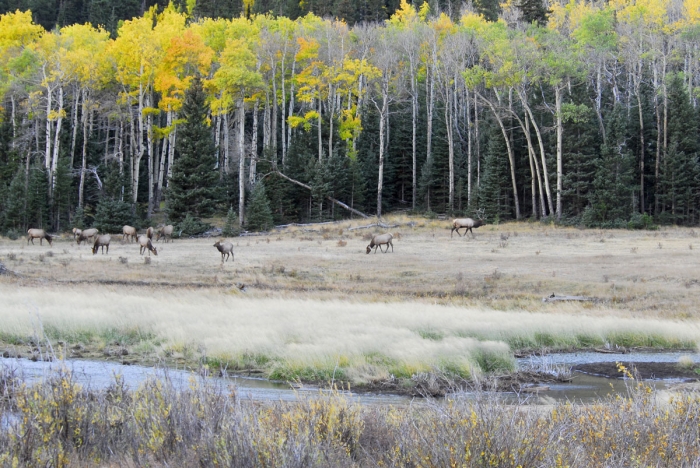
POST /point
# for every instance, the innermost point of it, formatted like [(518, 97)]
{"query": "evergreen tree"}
[(193, 188), (112, 214), (534, 11), (495, 179), (679, 171), (611, 198), (259, 213), (231, 227), (37, 214), (15, 217)]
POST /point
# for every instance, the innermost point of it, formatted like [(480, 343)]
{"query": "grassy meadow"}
[(306, 302)]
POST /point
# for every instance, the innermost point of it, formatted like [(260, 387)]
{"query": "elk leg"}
[(392, 247)]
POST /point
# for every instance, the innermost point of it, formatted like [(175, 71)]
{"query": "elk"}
[(226, 249), (76, 232), (38, 234), (129, 232), (86, 234), (468, 224), (101, 241), (146, 244), (165, 231), (378, 241), (149, 232)]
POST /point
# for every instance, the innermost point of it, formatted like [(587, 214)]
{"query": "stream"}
[(582, 388)]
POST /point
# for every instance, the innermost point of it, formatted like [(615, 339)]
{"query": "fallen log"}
[(328, 197), (555, 298), (611, 351), (381, 225)]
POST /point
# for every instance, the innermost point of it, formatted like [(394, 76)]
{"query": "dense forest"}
[(285, 111)]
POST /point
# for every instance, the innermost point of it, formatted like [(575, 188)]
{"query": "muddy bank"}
[(641, 370)]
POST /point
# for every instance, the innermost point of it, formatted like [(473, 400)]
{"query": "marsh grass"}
[(60, 423)]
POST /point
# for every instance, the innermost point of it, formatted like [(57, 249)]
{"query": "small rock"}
[(124, 352), (5, 354)]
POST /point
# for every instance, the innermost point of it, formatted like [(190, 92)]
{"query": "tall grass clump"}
[(60, 423)]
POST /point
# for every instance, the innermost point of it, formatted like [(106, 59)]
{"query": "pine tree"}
[(258, 209), (611, 198), (534, 11), (680, 167), (15, 202), (193, 188), (494, 189), (231, 227), (37, 214), (111, 215)]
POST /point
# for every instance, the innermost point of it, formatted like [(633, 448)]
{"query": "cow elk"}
[(38, 234), (226, 249), (101, 241), (76, 232), (86, 234), (379, 240), (129, 232), (149, 232), (146, 244), (468, 224), (165, 232)]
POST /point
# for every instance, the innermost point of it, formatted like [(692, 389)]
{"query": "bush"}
[(12, 234), (641, 221), (191, 226), (112, 215)]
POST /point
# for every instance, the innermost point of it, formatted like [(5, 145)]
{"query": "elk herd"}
[(145, 241)]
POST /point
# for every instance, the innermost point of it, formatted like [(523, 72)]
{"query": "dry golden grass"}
[(292, 300)]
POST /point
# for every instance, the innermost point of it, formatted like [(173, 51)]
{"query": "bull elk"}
[(101, 241), (38, 234), (146, 244), (468, 224), (129, 232), (165, 231), (226, 249), (379, 240)]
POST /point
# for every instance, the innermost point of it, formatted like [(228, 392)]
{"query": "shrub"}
[(641, 221), (191, 226)]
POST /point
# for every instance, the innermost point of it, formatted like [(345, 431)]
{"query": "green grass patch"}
[(634, 340), (433, 335), (494, 362), (13, 338), (125, 337)]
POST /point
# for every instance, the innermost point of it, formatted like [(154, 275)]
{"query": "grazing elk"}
[(129, 232), (101, 241), (165, 231), (146, 244), (226, 249), (149, 232), (86, 234), (38, 234), (468, 224), (379, 240), (76, 232)]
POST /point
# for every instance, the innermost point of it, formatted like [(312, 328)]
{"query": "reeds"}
[(59, 423)]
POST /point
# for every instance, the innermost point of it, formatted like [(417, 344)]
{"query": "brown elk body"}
[(86, 234), (149, 232), (226, 249), (101, 241), (166, 232), (146, 244), (467, 224), (129, 232), (378, 241), (38, 234)]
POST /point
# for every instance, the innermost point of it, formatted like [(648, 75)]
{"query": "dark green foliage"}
[(193, 188), (62, 195), (231, 226), (190, 226), (78, 220), (112, 215), (494, 193), (37, 214), (490, 9), (679, 171), (258, 212), (611, 198), (579, 154), (534, 11), (14, 213)]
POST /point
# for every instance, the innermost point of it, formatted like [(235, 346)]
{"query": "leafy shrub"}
[(641, 221), (191, 226)]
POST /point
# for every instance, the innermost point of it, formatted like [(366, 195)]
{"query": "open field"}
[(307, 302)]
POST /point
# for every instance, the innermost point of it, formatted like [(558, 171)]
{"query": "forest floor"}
[(307, 303)]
